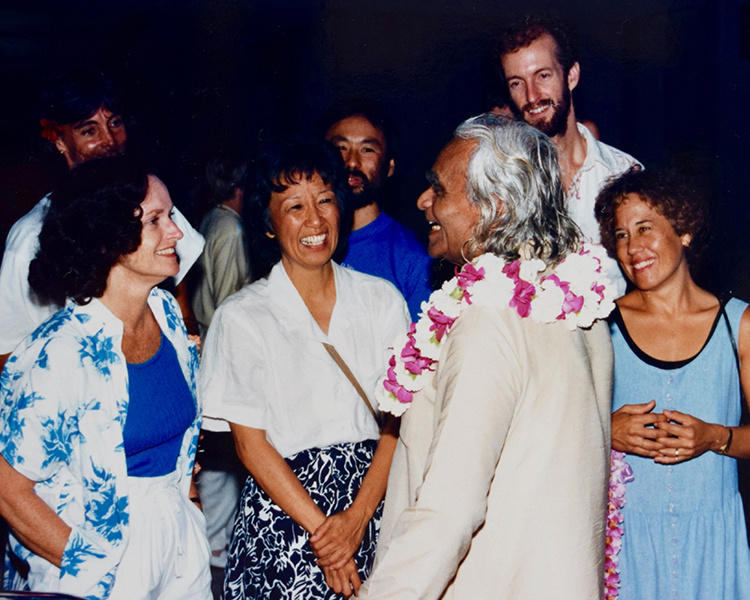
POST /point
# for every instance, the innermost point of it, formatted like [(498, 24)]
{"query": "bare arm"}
[(691, 437), (3, 359), (34, 523), (181, 295), (273, 474), (339, 537)]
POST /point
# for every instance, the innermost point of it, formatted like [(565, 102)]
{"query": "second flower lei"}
[(577, 292)]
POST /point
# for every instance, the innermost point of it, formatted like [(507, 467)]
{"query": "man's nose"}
[(351, 159), (532, 93), (107, 138), (425, 199)]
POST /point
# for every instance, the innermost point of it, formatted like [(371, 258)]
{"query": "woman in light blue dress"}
[(680, 354)]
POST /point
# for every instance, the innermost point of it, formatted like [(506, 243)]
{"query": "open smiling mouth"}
[(434, 226), (313, 240), (166, 252), (639, 266)]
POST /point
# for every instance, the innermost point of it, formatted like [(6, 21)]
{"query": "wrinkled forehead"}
[(456, 155)]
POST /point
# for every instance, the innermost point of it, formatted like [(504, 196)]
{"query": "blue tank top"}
[(160, 410)]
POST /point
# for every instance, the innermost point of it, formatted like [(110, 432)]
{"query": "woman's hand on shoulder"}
[(336, 540), (685, 437), (634, 430)]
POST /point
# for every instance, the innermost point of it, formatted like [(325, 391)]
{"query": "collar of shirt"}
[(297, 315)]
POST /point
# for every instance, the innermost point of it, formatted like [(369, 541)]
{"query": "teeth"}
[(643, 264), (314, 240), (434, 226), (536, 111), (165, 252)]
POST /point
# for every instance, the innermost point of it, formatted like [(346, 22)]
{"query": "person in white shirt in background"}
[(538, 60), (81, 119)]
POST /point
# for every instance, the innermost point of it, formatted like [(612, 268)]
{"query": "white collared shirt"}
[(602, 164), (264, 364)]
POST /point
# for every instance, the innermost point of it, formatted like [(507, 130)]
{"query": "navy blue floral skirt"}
[(270, 556)]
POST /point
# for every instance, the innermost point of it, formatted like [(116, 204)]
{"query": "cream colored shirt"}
[(498, 486)]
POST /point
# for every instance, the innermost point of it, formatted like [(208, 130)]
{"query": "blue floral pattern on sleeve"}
[(53, 324), (63, 403), (100, 350)]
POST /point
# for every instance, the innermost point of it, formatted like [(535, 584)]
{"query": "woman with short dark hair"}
[(681, 365), (99, 418), (289, 363)]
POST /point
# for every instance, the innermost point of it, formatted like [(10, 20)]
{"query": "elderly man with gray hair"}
[(498, 487)]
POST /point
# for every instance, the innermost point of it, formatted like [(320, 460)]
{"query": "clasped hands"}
[(334, 543), (668, 437)]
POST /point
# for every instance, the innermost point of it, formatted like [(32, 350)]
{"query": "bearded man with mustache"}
[(378, 244), (537, 60)]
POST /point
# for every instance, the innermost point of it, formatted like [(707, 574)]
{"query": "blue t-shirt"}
[(387, 249), (160, 410)]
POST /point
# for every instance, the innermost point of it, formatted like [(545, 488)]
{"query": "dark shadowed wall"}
[(666, 81)]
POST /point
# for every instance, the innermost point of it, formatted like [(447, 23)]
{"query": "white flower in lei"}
[(577, 292)]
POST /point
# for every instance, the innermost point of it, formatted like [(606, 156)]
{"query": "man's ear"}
[(391, 167), (573, 76)]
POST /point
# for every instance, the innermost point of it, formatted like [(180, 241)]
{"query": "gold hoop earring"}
[(270, 235), (466, 260)]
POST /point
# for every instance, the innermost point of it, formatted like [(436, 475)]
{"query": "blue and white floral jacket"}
[(63, 403)]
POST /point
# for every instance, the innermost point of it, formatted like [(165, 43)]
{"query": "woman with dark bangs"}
[(291, 363), (99, 418), (682, 361)]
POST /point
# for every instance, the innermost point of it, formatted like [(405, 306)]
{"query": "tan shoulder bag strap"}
[(350, 376)]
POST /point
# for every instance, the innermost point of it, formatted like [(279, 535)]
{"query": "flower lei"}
[(620, 473), (49, 130), (576, 291)]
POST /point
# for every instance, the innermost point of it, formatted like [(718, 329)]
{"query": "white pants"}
[(167, 557)]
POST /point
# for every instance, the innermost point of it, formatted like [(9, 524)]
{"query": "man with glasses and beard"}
[(537, 59), (378, 244)]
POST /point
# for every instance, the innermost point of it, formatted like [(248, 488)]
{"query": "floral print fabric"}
[(270, 556), (63, 402)]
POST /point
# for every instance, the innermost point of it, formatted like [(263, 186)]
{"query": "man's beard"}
[(368, 194), (558, 123)]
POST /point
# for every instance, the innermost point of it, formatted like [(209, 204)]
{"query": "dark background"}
[(666, 81)]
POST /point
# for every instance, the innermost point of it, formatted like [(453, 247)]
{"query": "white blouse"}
[(264, 364)]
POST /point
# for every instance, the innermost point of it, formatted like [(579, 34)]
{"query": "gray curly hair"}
[(514, 178)]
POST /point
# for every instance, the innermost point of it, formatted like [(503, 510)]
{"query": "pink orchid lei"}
[(576, 292), (620, 473)]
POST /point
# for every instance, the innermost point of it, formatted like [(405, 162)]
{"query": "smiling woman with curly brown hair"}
[(98, 414), (681, 366)]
